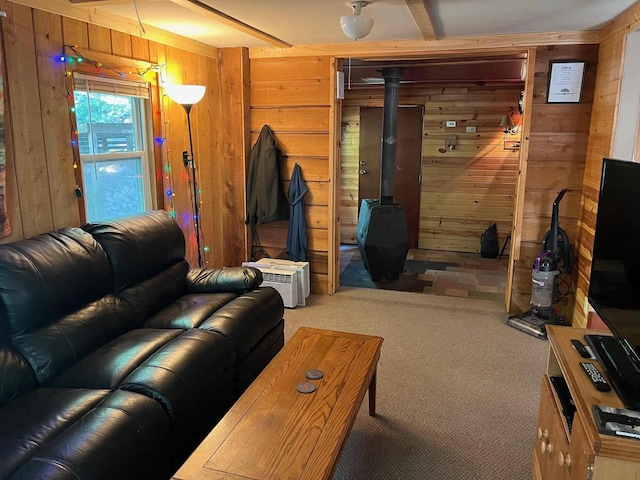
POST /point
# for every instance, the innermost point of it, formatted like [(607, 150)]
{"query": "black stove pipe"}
[(391, 77)]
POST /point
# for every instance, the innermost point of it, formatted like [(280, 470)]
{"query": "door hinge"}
[(420, 179)]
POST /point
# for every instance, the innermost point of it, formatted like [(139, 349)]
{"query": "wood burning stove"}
[(382, 234)]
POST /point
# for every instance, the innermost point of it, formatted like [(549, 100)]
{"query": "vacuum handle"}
[(555, 220), (560, 195)]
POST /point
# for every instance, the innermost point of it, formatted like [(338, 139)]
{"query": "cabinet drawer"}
[(551, 439)]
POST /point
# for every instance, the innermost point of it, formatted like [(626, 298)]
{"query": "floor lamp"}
[(188, 96)]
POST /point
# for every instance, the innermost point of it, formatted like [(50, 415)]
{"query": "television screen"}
[(614, 289)]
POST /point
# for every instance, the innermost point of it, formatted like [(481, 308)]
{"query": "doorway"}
[(464, 189), (408, 163)]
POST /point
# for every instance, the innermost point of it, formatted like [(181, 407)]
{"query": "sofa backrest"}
[(50, 275), (147, 253), (139, 246), (55, 306)]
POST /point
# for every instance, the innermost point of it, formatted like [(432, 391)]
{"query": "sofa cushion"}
[(180, 374), (153, 294), (246, 320), (52, 348), (126, 436), (189, 311), (38, 417), (139, 246), (16, 376), (48, 276), (258, 358), (107, 366)]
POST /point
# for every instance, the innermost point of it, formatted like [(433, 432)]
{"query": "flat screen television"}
[(614, 288)]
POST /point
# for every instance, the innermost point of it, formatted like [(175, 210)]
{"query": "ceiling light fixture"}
[(356, 26)]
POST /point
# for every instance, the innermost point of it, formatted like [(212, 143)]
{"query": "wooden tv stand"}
[(582, 452)]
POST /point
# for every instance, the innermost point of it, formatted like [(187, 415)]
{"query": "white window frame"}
[(142, 116)]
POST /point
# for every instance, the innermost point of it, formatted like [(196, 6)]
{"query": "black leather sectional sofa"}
[(116, 357)]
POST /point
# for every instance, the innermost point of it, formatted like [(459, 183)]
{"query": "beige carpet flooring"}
[(458, 389)]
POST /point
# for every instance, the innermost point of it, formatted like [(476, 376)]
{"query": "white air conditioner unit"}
[(304, 278), (284, 281)]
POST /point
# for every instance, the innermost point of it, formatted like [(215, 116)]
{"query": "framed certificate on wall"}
[(565, 81)]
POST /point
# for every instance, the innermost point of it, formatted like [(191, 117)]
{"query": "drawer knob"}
[(546, 448), (542, 434), (564, 460)]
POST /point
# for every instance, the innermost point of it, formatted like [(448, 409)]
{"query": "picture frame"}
[(565, 81)]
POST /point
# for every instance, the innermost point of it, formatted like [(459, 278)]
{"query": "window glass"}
[(114, 152)]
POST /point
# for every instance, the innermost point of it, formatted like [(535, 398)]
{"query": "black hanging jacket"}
[(266, 201)]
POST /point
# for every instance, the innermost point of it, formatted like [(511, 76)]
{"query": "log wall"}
[(349, 167), (40, 176), (556, 160), (600, 144), (41, 184), (463, 191), (295, 98)]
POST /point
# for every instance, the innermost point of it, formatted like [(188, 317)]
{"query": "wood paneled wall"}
[(556, 157), (600, 144), (463, 191), (349, 167), (40, 176), (233, 132), (467, 189), (294, 96)]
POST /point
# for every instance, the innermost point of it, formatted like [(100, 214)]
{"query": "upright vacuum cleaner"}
[(555, 259)]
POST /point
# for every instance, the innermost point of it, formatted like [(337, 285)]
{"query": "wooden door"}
[(406, 184)]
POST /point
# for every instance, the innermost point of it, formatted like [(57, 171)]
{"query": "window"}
[(113, 123)]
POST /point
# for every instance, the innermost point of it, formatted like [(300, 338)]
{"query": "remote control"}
[(584, 353), (595, 376)]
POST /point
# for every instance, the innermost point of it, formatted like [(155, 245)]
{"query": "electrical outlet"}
[(471, 129), (451, 123)]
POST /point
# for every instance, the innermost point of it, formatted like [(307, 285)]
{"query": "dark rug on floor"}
[(355, 275)]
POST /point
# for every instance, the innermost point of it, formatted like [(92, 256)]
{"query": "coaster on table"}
[(306, 387), (314, 374)]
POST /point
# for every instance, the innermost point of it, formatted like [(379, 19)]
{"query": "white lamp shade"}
[(185, 94), (356, 26)]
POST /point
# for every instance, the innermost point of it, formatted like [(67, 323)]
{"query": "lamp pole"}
[(188, 96), (191, 160)]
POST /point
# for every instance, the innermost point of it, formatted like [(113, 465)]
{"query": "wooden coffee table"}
[(275, 432)]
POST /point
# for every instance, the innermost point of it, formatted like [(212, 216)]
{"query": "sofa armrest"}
[(223, 280)]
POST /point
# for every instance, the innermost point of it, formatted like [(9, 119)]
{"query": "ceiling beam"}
[(221, 17), (121, 24), (480, 45), (103, 3), (420, 14)]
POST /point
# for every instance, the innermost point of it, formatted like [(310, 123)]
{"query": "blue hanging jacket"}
[(297, 235)]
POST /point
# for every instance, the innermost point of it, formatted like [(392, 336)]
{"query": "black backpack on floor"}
[(489, 242)]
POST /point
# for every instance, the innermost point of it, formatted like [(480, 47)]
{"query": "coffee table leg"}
[(372, 394)]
